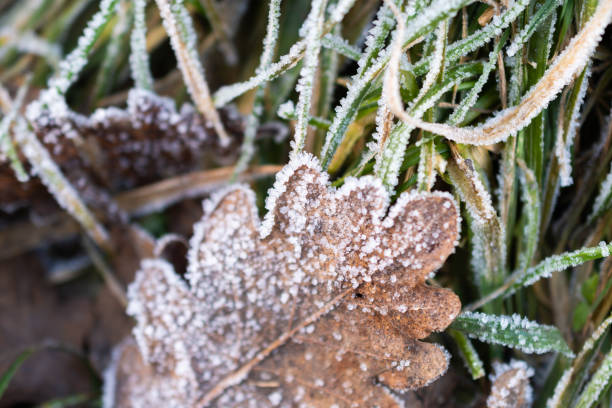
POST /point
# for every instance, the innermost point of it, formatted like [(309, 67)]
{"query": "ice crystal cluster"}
[(322, 304), (511, 388)]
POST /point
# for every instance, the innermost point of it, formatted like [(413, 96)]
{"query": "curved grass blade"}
[(469, 354), (341, 46), (8, 375), (416, 26), (476, 40)]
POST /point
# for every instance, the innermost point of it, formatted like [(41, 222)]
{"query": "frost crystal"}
[(360, 82), (304, 302), (341, 46), (556, 263), (63, 192), (151, 138), (513, 331), (564, 381), (435, 67), (511, 388)]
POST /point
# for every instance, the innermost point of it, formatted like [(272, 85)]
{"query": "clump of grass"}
[(506, 105)]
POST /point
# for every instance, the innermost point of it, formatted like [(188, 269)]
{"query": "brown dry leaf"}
[(511, 388), (320, 305), (116, 149)]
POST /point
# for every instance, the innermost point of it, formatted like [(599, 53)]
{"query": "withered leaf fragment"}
[(116, 149), (511, 388), (321, 305)]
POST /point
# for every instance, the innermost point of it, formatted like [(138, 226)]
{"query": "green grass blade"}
[(306, 83), (570, 380), (534, 23), (347, 110), (557, 263), (247, 149), (468, 354), (512, 331), (470, 99), (532, 213), (72, 65), (8, 375), (227, 93), (417, 25)]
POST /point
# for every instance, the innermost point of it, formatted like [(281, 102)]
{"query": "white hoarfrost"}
[(72, 65), (52, 177), (344, 111), (557, 263), (437, 59), (341, 46), (565, 140), (470, 99)]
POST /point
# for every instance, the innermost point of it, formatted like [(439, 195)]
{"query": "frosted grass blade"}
[(512, 331), (139, 58), (313, 27), (248, 145)]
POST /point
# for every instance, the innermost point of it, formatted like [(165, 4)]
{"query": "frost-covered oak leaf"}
[(322, 304)]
